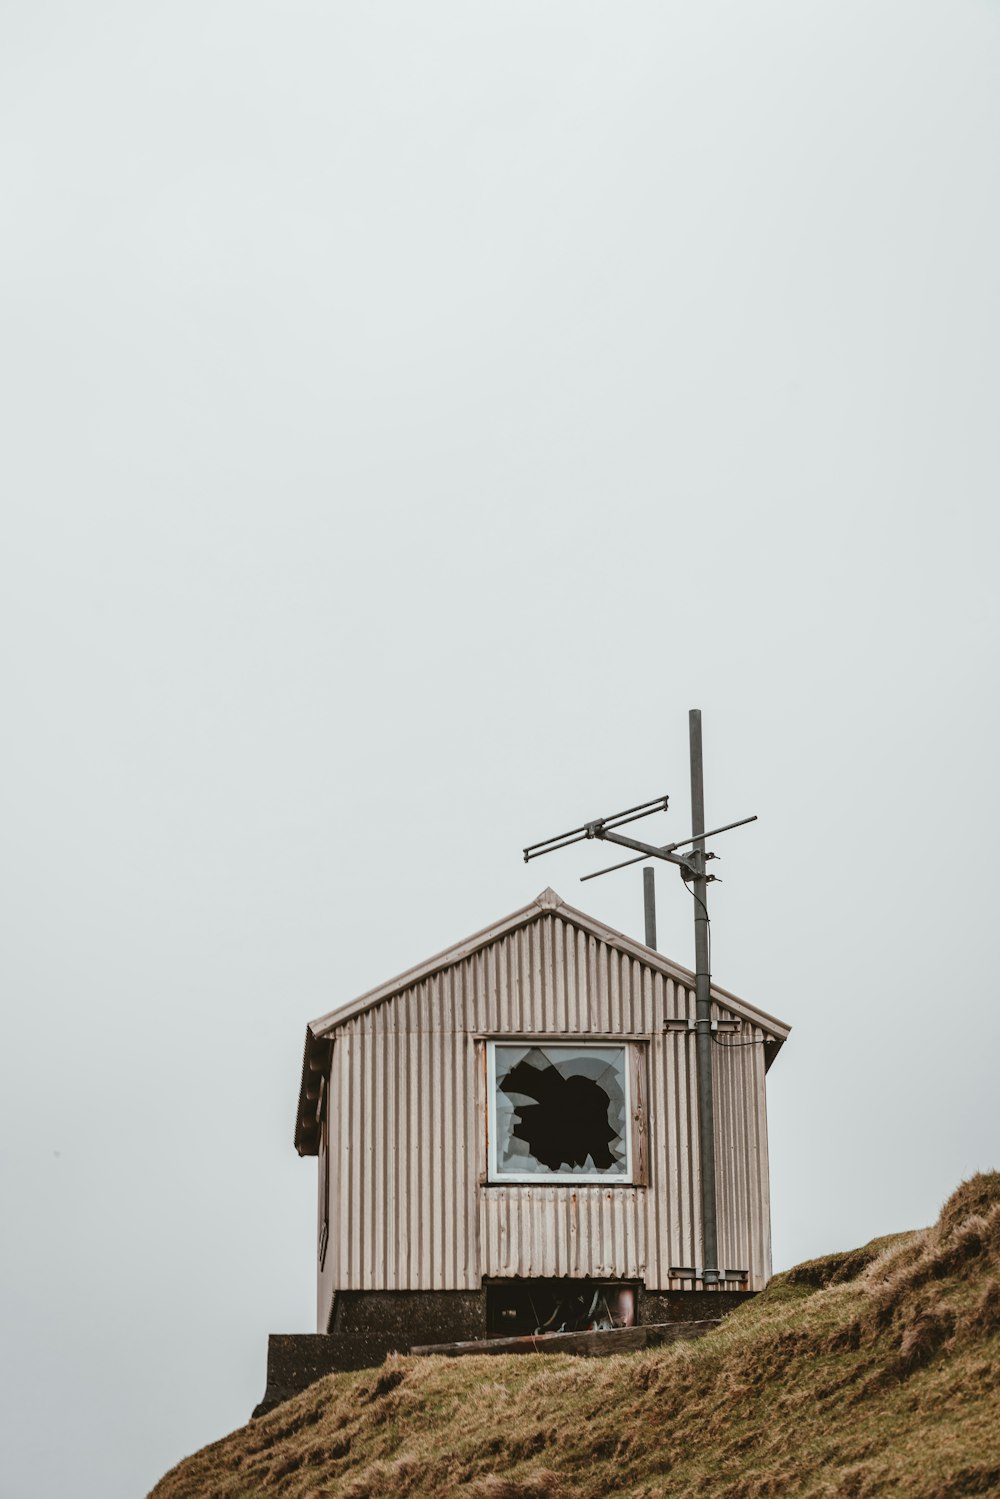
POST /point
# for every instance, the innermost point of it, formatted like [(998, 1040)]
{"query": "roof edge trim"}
[(548, 901)]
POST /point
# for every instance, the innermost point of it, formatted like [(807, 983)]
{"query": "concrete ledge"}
[(294, 1362), (587, 1344)]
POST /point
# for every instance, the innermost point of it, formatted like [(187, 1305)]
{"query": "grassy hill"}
[(870, 1372)]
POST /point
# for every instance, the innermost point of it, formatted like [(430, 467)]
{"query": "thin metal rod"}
[(660, 805), (649, 905), (538, 849), (573, 833), (595, 874), (712, 831), (703, 1009), (576, 835), (667, 848)]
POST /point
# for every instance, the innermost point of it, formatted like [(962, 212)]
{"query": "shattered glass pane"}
[(561, 1110)]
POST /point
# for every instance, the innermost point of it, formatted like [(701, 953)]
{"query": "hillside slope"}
[(872, 1372)]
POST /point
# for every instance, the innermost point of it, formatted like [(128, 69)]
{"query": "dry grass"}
[(872, 1372)]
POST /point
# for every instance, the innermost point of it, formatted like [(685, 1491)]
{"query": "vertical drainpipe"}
[(703, 1012)]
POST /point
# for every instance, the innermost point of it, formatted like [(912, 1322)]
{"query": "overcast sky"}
[(410, 411)]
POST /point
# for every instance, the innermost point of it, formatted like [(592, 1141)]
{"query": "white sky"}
[(410, 411)]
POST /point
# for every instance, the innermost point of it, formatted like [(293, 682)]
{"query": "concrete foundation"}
[(368, 1325), (688, 1306)]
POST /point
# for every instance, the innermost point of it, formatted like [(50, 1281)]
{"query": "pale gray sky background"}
[(410, 411)]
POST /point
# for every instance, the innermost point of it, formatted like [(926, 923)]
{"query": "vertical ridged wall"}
[(410, 1209)]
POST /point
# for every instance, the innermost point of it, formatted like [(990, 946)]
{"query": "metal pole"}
[(649, 904), (703, 1010)]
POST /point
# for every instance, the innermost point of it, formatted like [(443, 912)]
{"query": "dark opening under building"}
[(507, 1142)]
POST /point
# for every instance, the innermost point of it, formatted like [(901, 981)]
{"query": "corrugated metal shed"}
[(396, 1083)]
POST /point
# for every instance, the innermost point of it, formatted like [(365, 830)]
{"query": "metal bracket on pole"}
[(690, 1025), (646, 850), (689, 1272)]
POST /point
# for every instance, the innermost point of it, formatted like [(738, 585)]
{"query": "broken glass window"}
[(559, 1111)]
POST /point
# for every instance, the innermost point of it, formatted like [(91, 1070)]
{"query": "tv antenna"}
[(693, 873)]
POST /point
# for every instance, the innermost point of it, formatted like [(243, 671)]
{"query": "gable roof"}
[(320, 1032)]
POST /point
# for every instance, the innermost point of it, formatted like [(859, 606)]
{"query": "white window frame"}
[(498, 1177)]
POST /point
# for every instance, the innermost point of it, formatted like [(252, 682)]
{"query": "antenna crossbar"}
[(668, 848), (595, 829)]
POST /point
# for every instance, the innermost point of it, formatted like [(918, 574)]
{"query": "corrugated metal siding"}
[(407, 1130)]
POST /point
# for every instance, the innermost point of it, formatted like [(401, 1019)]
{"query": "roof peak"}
[(545, 903), (548, 899)]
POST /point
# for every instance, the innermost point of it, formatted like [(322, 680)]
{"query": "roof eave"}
[(315, 1067)]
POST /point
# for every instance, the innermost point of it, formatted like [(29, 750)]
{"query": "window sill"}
[(562, 1182)]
